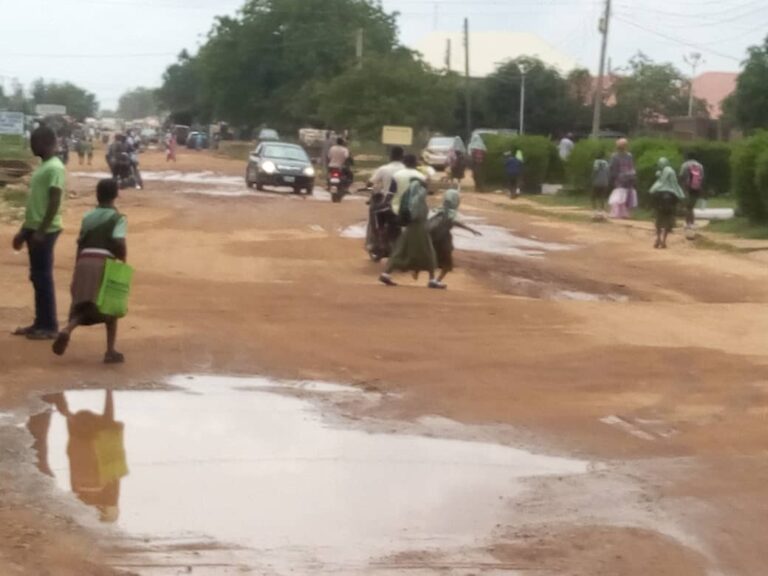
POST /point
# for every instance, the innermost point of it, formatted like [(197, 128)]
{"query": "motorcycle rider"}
[(340, 158), (115, 154), (133, 143), (383, 227)]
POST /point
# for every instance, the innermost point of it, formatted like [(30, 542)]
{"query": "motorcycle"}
[(339, 182), (383, 227), (127, 172)]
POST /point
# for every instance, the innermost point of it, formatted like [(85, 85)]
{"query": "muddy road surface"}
[(576, 403)]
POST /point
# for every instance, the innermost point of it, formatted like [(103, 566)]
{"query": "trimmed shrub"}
[(761, 178), (556, 171), (579, 166), (647, 166), (537, 151), (640, 146), (746, 182), (716, 159)]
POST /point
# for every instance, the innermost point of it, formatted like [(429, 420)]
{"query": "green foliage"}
[(748, 105), (80, 103), (410, 96), (761, 177), (550, 106), (138, 103), (581, 161), (647, 165), (537, 151), (716, 159), (556, 170), (649, 91), (746, 182)]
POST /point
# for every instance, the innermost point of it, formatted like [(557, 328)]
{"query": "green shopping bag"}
[(115, 288)]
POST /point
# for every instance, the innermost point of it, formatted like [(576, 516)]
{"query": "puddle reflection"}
[(248, 463), (95, 450)]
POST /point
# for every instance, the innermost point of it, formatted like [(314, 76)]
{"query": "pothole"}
[(265, 471)]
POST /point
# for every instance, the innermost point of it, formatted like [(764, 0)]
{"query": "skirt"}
[(665, 205), (444, 252), (413, 251), (86, 284)]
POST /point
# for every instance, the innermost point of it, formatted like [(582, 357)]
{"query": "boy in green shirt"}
[(41, 229)]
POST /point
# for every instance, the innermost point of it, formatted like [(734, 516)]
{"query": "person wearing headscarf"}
[(440, 226), (666, 194), (623, 199), (413, 251)]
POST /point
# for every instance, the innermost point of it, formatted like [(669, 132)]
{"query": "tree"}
[(550, 108), (651, 92), (138, 103), (748, 105), (80, 103), (255, 68), (396, 89)]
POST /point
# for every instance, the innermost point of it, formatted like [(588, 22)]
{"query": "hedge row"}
[(750, 176), (542, 163), (714, 156)]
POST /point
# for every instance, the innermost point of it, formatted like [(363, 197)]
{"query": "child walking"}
[(666, 194), (601, 185), (102, 236), (440, 226)]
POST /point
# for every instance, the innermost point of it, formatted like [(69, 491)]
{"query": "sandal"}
[(113, 358), (39, 335), (434, 284), (23, 331), (61, 343), (387, 280)]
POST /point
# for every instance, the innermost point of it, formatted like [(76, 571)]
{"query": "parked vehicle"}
[(280, 164), (437, 152), (198, 141), (493, 131), (268, 135), (182, 133)]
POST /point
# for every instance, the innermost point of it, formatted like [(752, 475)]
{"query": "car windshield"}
[(268, 134), (286, 153), (441, 142)]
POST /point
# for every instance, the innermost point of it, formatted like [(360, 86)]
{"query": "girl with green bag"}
[(102, 279)]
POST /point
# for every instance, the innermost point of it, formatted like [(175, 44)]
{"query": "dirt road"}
[(582, 341)]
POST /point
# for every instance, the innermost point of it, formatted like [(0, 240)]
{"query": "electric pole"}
[(523, 72), (604, 28), (469, 83), (359, 48), (448, 50), (693, 60)]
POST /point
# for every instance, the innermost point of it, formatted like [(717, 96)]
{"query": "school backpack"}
[(695, 177), (411, 208)]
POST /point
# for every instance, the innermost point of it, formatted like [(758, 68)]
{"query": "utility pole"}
[(469, 83), (359, 49), (693, 60), (604, 28), (523, 72), (448, 55)]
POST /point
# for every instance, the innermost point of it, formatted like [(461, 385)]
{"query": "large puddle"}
[(270, 472), (494, 240), (214, 184)]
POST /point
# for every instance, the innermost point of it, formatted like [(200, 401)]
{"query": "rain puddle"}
[(222, 185), (258, 474), (494, 240)]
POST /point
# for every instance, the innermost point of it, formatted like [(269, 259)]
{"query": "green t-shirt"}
[(50, 174), (99, 216)]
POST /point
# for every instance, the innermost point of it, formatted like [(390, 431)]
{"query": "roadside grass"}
[(12, 203), (740, 227)]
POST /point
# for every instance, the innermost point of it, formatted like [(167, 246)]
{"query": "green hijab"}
[(666, 180), (451, 201)]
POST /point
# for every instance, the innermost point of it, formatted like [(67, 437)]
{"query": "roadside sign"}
[(397, 136), (50, 110), (11, 123)]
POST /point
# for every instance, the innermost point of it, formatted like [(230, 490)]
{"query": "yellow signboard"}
[(397, 136)]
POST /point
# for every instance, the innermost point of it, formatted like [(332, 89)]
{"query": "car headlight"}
[(269, 167), (309, 171)]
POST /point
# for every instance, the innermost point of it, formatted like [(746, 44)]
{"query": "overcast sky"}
[(88, 41)]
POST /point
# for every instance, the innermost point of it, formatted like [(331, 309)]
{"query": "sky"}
[(110, 46)]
